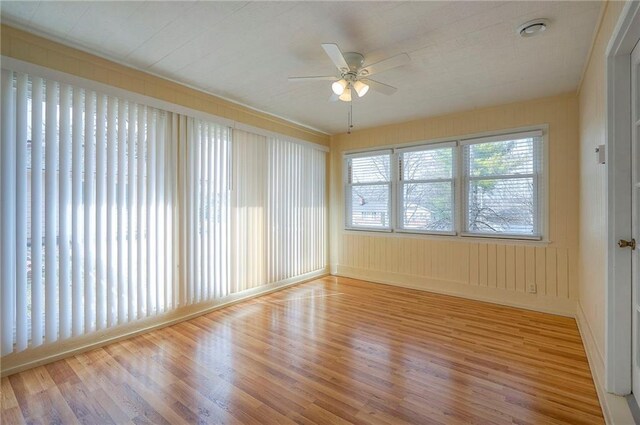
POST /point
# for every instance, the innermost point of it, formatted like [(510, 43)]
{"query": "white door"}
[(635, 202)]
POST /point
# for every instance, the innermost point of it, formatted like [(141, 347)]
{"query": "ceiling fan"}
[(354, 76)]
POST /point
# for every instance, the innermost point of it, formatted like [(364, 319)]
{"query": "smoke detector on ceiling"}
[(531, 28)]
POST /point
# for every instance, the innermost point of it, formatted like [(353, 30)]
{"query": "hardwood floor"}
[(330, 351)]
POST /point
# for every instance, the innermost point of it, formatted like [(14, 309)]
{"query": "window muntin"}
[(502, 187), (426, 189), (369, 191)]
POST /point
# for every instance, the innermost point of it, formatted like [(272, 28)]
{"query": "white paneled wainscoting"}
[(524, 274)]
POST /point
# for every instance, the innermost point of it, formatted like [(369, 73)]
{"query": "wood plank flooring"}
[(329, 351)]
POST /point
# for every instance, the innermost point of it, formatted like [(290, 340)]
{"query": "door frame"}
[(618, 305)]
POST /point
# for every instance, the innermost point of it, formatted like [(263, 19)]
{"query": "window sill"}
[(418, 232), (503, 236), (469, 238), (367, 230)]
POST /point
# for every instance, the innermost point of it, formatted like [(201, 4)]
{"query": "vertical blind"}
[(113, 211), (279, 209), (207, 211), (249, 224), (296, 210), (94, 251)]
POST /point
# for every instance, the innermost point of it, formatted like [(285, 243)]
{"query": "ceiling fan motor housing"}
[(354, 60)]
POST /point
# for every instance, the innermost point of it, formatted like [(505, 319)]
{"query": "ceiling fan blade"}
[(384, 65), (314, 78), (380, 87), (335, 54), (334, 97)]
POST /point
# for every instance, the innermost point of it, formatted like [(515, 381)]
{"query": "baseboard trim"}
[(38, 356), (541, 303), (615, 408)]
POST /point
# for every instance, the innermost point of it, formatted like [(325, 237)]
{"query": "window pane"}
[(501, 206), (370, 206), (428, 164), (428, 206), (370, 169), (501, 158)]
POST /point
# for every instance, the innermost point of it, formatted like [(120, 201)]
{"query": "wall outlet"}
[(532, 288)]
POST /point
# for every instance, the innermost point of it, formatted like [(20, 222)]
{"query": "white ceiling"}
[(464, 54)]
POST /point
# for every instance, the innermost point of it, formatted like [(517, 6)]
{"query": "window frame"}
[(536, 176), (348, 189), (400, 183), (460, 202)]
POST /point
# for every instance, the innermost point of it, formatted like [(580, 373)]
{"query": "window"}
[(368, 190), (488, 187), (207, 210), (502, 185), (90, 221), (278, 209), (113, 211), (426, 189)]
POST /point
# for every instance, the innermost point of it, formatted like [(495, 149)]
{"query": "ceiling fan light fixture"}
[(346, 95), (361, 88), (339, 86)]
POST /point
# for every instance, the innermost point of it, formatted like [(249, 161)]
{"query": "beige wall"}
[(593, 252), (495, 271), (40, 51), (498, 271)]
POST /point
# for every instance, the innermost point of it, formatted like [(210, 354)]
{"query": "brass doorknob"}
[(627, 244)]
